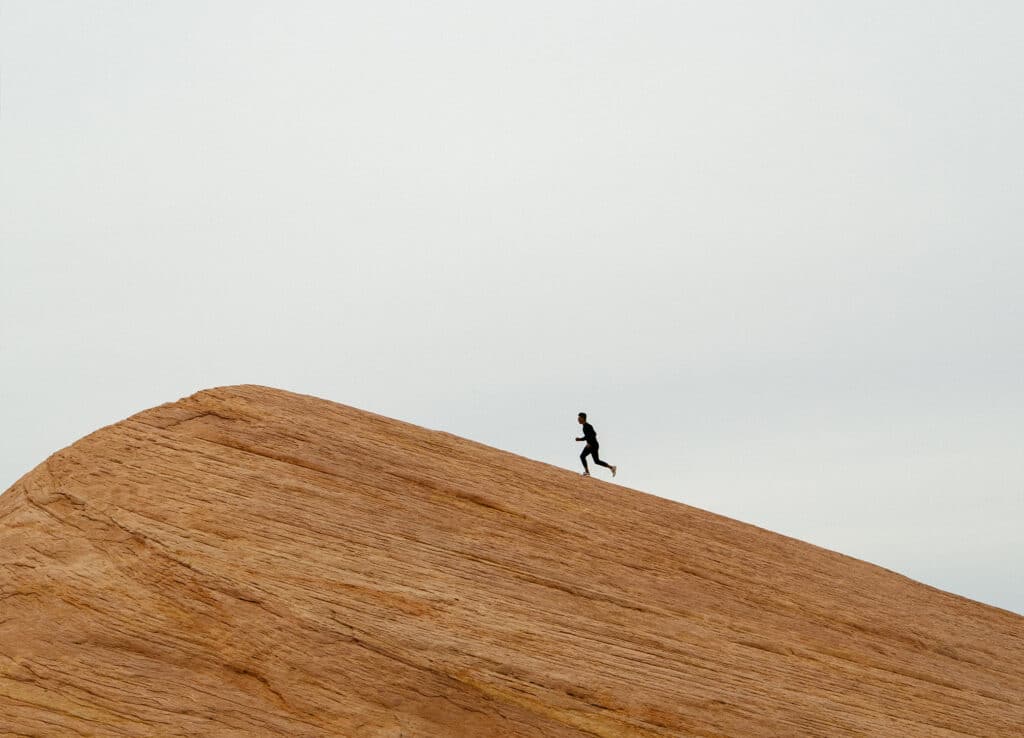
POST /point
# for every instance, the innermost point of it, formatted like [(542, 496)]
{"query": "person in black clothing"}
[(590, 436)]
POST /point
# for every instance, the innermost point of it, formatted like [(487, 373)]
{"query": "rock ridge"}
[(249, 561)]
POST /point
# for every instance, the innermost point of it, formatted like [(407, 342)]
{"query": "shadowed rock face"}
[(249, 562)]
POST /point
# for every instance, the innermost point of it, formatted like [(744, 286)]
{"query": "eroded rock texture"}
[(252, 562)]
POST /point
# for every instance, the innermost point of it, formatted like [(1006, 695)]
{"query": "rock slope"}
[(248, 561)]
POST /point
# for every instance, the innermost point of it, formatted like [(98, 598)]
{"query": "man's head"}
[(581, 418)]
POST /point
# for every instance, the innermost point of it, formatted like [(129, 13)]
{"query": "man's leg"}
[(598, 461), (583, 458)]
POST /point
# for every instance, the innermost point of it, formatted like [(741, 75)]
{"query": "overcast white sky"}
[(774, 249)]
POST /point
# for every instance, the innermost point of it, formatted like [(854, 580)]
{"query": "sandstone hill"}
[(251, 562)]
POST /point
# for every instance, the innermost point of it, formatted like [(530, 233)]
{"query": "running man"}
[(590, 436)]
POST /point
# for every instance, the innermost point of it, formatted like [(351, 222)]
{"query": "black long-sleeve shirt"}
[(589, 434)]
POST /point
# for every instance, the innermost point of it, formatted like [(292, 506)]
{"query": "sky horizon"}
[(774, 252)]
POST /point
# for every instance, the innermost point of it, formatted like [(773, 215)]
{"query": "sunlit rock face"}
[(248, 561)]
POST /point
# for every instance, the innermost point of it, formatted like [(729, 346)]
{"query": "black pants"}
[(592, 450)]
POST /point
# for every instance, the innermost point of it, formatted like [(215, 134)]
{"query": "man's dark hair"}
[(583, 415)]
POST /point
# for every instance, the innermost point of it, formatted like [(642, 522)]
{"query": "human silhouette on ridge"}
[(590, 436)]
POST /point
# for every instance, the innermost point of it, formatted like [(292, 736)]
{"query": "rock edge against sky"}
[(251, 561)]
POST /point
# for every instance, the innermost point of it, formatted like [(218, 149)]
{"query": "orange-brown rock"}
[(252, 562)]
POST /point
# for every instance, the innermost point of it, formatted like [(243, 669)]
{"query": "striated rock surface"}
[(253, 562)]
